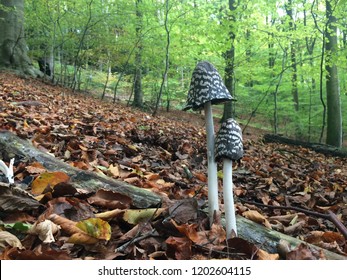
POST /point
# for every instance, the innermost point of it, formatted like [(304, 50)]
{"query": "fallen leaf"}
[(178, 248), (95, 227), (8, 239), (48, 180), (135, 216), (110, 199), (255, 216), (45, 230)]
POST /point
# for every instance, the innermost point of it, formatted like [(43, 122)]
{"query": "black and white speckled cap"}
[(206, 85), (228, 142)]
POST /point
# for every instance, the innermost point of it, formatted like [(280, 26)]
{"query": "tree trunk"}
[(334, 119), (289, 11), (138, 93), (229, 68), (167, 55), (13, 48)]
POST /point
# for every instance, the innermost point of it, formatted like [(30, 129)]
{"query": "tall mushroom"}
[(207, 88), (229, 147)]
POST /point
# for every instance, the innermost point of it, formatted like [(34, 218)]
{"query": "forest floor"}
[(165, 154)]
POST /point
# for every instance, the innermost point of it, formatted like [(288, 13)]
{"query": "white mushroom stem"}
[(8, 171), (228, 196), (212, 179)]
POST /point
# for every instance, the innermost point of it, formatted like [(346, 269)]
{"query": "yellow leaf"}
[(133, 216), (48, 180), (114, 170), (82, 238), (96, 227), (108, 215), (132, 147)]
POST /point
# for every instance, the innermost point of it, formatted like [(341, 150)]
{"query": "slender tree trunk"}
[(13, 48), (334, 118), (138, 93), (295, 93), (229, 68), (310, 44), (164, 79), (77, 59)]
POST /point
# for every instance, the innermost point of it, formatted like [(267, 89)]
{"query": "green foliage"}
[(92, 37)]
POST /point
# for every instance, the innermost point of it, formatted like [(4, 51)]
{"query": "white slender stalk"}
[(228, 196), (8, 171), (212, 179)]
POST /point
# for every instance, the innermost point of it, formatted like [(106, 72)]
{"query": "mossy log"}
[(269, 240), (13, 146), (317, 147)]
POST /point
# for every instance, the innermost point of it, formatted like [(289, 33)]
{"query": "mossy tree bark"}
[(13, 48), (229, 59)]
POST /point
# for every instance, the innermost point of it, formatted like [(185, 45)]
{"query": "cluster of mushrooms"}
[(207, 88)]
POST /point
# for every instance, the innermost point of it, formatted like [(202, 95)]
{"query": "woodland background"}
[(277, 57)]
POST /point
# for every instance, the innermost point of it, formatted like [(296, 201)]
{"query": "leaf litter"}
[(279, 186)]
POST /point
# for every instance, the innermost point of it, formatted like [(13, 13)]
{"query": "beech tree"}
[(13, 47), (334, 119), (138, 92)]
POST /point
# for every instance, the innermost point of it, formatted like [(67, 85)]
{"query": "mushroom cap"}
[(228, 142), (206, 85)]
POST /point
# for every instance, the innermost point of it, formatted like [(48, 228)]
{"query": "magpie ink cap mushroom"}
[(229, 141), (206, 86), (229, 147)]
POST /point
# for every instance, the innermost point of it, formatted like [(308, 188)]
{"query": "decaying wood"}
[(269, 240), (317, 147), (330, 216), (13, 146)]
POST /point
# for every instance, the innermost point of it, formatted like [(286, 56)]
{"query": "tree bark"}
[(13, 48), (229, 68), (138, 93), (269, 240), (334, 118), (167, 56), (292, 28), (12, 146)]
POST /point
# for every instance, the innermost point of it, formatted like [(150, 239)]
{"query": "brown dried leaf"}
[(255, 216), (179, 248)]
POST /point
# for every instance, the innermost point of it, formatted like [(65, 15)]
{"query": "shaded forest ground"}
[(167, 155)]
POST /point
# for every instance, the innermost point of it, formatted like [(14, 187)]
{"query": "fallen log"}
[(13, 146), (269, 240), (317, 147)]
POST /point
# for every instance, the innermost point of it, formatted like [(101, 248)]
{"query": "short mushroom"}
[(229, 147), (207, 88), (8, 171)]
